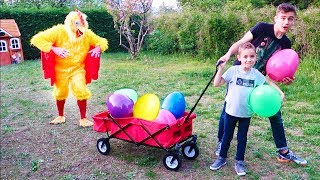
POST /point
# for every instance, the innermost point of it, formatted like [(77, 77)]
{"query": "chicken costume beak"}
[(79, 33)]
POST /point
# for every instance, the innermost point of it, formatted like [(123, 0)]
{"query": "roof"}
[(10, 27)]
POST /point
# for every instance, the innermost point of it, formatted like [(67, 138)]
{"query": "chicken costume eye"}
[(77, 23)]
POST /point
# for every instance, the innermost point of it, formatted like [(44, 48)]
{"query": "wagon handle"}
[(205, 89)]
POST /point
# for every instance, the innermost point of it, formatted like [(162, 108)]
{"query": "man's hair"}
[(244, 46), (286, 7)]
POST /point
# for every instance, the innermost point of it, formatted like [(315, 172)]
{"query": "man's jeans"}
[(276, 126)]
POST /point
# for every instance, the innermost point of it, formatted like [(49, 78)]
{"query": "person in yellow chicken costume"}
[(70, 44)]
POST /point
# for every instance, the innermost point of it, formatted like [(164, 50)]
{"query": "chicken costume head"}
[(70, 58), (76, 25)]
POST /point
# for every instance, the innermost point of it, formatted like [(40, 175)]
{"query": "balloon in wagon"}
[(130, 93), (165, 117), (175, 103), (147, 107), (119, 105)]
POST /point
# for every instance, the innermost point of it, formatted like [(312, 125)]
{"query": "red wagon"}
[(141, 132)]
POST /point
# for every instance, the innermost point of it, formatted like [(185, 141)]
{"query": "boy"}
[(241, 80), (269, 38)]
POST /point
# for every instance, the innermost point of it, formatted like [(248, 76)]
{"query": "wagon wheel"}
[(190, 150), (103, 146), (172, 161)]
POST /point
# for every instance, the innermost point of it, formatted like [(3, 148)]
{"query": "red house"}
[(10, 43)]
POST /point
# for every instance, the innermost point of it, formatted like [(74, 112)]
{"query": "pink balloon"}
[(282, 64), (165, 117)]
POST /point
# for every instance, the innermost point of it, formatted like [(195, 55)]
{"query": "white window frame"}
[(3, 31), (4, 46), (14, 43)]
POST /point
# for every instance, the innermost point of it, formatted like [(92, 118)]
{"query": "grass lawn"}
[(33, 149)]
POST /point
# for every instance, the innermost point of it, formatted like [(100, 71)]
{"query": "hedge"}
[(31, 21)]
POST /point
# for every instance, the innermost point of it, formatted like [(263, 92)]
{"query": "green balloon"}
[(265, 101), (130, 93)]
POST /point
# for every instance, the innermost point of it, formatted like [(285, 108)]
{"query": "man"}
[(65, 48)]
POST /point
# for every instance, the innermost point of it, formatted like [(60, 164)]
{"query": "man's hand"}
[(61, 52), (287, 80), (95, 52)]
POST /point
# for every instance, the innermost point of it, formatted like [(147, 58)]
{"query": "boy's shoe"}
[(218, 163), (240, 167), (292, 157), (218, 149)]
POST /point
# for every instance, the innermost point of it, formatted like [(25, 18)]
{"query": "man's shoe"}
[(218, 163), (218, 149), (292, 157), (240, 167)]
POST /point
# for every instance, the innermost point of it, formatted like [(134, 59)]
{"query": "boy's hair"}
[(286, 7), (244, 46)]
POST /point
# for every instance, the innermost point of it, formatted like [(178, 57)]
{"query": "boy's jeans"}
[(229, 126), (276, 126)]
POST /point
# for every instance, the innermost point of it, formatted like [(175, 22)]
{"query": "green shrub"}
[(164, 39), (224, 30), (162, 43), (188, 33), (211, 33), (193, 32), (305, 34), (208, 4)]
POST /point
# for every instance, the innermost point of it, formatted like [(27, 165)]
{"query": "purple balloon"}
[(119, 105)]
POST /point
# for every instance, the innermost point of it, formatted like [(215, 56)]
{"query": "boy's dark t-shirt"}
[(266, 44)]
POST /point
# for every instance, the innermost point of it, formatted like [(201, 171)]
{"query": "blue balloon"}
[(175, 103)]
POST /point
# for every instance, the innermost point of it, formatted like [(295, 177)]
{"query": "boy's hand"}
[(221, 64), (225, 58), (287, 80)]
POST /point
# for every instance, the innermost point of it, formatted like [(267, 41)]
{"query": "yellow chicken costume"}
[(69, 44)]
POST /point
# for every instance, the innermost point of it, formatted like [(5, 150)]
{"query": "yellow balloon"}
[(147, 107)]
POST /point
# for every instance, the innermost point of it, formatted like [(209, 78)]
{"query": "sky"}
[(169, 3)]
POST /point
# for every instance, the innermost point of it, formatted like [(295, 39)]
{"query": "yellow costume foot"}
[(85, 122), (58, 120)]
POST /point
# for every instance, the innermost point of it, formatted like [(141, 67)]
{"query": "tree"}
[(130, 19)]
